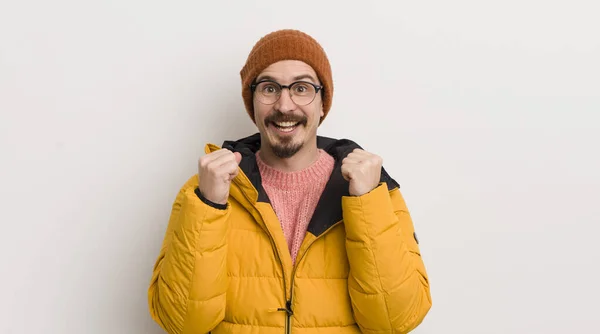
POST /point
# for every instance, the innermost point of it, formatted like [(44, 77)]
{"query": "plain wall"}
[(486, 112)]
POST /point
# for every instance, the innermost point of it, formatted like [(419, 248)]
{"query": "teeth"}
[(286, 124)]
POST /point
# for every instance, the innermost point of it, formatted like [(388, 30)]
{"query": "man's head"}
[(287, 116)]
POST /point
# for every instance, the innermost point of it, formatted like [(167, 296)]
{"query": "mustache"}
[(280, 117)]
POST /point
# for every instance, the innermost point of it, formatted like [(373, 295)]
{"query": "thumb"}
[(233, 175), (238, 157), (346, 173)]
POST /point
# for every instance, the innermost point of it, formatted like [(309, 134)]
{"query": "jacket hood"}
[(328, 210)]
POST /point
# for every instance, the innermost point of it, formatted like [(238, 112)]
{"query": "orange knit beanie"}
[(286, 44)]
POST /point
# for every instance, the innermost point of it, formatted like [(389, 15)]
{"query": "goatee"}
[(285, 149)]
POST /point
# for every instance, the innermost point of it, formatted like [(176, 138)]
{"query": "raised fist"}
[(216, 170), (363, 170)]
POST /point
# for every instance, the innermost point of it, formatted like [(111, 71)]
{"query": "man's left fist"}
[(363, 170)]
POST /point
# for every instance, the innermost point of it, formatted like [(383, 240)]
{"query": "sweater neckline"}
[(317, 171)]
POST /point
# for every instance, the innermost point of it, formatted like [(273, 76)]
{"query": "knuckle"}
[(211, 167)]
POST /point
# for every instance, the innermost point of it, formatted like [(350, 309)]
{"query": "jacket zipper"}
[(288, 304), (289, 314), (288, 310)]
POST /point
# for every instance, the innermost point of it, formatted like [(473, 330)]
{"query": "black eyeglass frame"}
[(281, 87)]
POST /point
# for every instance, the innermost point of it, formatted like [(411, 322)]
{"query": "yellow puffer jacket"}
[(359, 269)]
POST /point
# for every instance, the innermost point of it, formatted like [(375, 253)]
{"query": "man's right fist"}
[(216, 170)]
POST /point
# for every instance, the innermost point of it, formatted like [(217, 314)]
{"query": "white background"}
[(486, 112)]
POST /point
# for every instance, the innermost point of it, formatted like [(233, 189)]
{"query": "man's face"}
[(289, 123)]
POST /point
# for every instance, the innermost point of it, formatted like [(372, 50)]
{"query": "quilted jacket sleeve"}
[(189, 282), (388, 284)]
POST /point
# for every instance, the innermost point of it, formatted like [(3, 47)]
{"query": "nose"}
[(285, 103)]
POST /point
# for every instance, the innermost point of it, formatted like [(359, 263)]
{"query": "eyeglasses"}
[(301, 92)]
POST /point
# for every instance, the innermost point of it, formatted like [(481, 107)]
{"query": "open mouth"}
[(286, 126)]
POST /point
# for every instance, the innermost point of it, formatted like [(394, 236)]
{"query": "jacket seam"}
[(414, 272), (332, 326), (257, 277), (316, 326), (365, 293), (252, 325), (201, 301), (385, 301), (318, 278), (188, 299), (163, 281)]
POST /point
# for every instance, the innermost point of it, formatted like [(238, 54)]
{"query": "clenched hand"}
[(363, 170), (216, 170)]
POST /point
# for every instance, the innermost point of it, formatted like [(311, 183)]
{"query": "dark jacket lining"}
[(329, 208)]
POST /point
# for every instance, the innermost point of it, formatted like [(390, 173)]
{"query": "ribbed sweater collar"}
[(320, 169)]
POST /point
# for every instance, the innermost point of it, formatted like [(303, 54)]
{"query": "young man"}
[(286, 231)]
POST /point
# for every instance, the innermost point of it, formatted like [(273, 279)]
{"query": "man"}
[(286, 231)]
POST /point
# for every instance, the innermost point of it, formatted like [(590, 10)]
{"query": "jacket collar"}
[(328, 210)]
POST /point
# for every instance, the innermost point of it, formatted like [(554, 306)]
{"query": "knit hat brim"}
[(281, 45)]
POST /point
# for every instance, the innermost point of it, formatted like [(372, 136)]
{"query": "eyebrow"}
[(298, 77)]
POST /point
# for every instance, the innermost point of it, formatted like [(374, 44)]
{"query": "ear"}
[(322, 115)]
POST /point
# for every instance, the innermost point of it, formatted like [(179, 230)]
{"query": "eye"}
[(269, 88), (302, 88)]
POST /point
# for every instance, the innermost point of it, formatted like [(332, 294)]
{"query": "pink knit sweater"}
[(294, 195)]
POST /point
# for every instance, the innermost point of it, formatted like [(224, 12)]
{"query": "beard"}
[(285, 147)]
